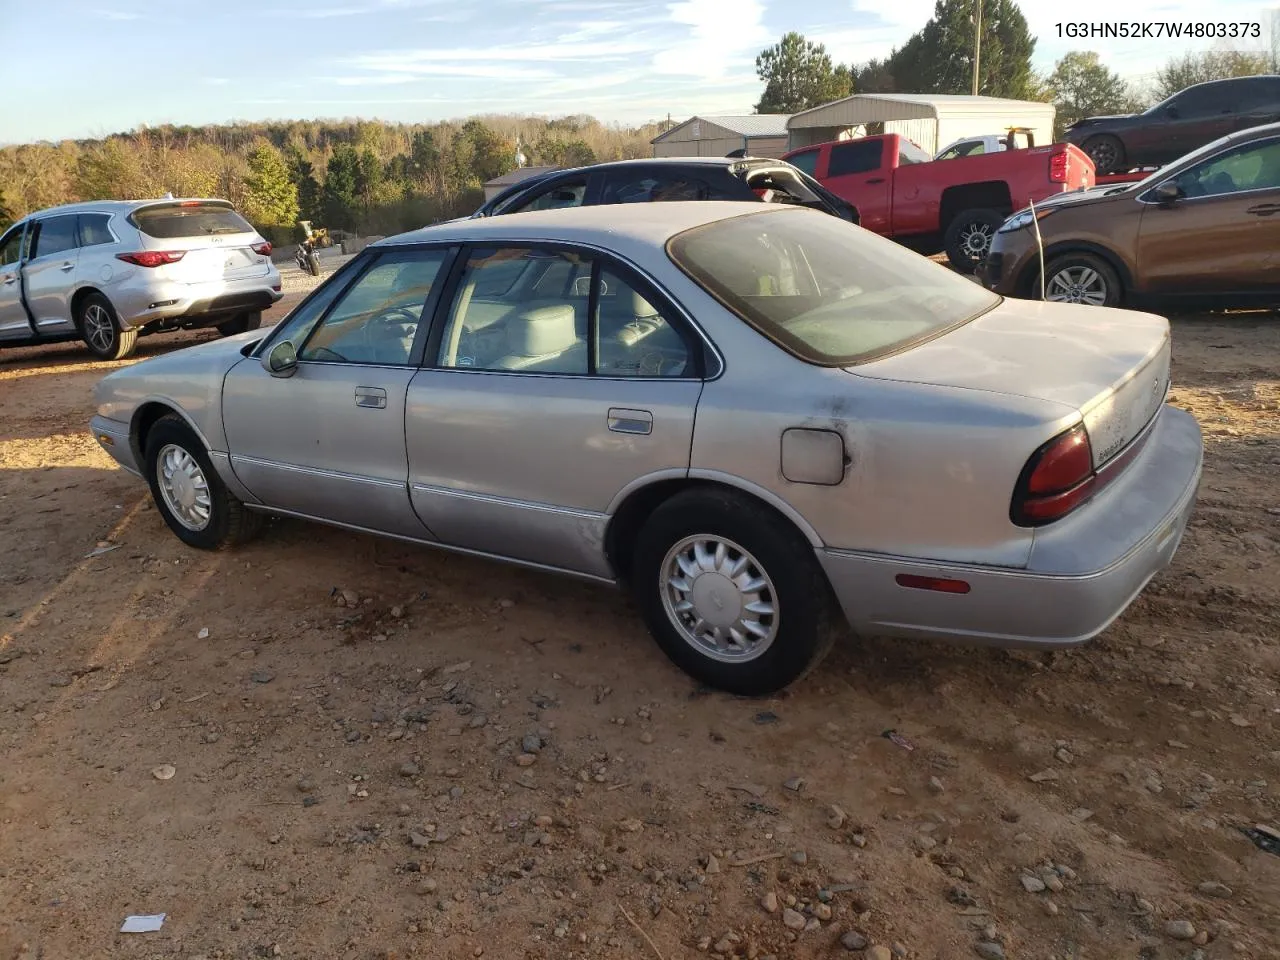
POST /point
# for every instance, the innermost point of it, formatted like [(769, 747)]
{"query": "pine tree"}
[(339, 194), (798, 75), (939, 58)]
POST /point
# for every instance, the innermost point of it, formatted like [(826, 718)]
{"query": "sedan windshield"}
[(825, 290)]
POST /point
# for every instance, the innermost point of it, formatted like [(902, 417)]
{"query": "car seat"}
[(544, 337)]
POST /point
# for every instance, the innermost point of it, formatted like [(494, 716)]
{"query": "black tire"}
[(99, 327), (1090, 272), (964, 232), (229, 521), (241, 323), (805, 624), (1106, 152)]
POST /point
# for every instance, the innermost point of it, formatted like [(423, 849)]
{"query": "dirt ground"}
[(347, 778)]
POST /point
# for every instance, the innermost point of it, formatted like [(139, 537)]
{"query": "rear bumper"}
[(167, 301), (113, 437), (1083, 572)]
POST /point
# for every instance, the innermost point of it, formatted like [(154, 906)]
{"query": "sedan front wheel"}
[(188, 491), (1082, 278), (732, 593)]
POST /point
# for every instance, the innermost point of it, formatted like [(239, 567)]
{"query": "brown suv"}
[(1204, 230)]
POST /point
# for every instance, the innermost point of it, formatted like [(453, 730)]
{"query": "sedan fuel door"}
[(14, 322), (317, 427), (556, 381)]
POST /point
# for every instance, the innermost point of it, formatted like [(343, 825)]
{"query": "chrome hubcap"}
[(975, 240), (719, 598), (1077, 285), (183, 487), (98, 328)]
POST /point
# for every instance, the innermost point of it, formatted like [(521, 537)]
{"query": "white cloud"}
[(117, 15), (719, 34), (217, 81)]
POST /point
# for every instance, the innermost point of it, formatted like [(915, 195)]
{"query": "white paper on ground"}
[(146, 924)]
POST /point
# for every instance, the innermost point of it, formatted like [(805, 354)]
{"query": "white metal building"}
[(930, 120), (759, 134)]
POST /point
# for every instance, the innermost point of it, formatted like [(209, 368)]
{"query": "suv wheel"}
[(968, 238), (188, 491), (732, 593), (1082, 278), (241, 323), (100, 329), (1106, 152)]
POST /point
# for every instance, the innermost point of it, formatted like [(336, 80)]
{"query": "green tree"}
[(271, 197), (1082, 86), (480, 154), (302, 173), (339, 193), (368, 178), (555, 152), (797, 75), (1192, 68), (874, 76), (939, 58), (424, 158)]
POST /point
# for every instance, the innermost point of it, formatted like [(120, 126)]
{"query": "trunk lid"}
[(217, 241), (1110, 365)]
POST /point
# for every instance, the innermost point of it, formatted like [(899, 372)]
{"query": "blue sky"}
[(121, 63)]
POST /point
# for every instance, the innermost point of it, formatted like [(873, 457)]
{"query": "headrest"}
[(640, 307), (542, 330)]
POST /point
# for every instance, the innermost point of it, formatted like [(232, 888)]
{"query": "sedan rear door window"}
[(650, 188), (566, 193)]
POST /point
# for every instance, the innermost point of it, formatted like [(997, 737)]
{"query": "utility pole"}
[(977, 44)]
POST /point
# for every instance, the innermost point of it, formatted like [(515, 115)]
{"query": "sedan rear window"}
[(827, 291), (189, 219)]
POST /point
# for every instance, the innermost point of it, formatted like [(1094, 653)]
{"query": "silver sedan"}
[(760, 420)]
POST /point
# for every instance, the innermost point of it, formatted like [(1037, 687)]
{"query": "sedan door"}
[(50, 273), (327, 440), (14, 323), (1223, 234), (545, 398)]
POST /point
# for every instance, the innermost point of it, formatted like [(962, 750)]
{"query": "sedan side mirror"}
[(281, 360), (1169, 192)]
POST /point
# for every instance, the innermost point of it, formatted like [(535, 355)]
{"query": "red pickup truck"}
[(954, 205)]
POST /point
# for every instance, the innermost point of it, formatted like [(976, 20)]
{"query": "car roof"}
[(117, 206), (651, 224)]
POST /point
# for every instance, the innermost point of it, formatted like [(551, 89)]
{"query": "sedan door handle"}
[(374, 397), (1264, 209), (67, 266), (623, 420), (9, 280)]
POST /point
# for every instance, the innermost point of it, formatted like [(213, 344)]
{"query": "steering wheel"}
[(395, 315)]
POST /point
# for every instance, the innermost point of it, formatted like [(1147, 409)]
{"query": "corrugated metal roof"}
[(748, 125), (939, 102)]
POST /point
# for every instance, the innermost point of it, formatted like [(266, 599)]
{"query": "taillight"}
[(1059, 166), (1058, 478), (152, 258), (262, 249)]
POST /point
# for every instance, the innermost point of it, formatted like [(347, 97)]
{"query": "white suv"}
[(109, 270)]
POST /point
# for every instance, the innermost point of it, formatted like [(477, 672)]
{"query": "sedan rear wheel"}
[(100, 328), (732, 592), (1082, 278), (188, 491)]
